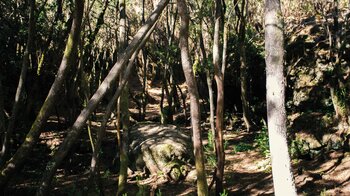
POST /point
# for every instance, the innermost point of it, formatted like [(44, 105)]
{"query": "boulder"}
[(163, 150)]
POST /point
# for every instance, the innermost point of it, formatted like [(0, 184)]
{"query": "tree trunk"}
[(96, 98), (109, 109), (210, 86), (247, 114), (219, 79), (2, 116), (275, 98), (17, 161), (123, 107), (338, 86), (20, 87), (202, 186)]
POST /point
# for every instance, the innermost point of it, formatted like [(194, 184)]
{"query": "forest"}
[(174, 97)]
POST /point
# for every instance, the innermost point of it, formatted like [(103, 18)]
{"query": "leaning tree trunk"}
[(275, 98), (112, 103), (219, 79), (75, 130), (202, 186), (17, 161), (20, 87)]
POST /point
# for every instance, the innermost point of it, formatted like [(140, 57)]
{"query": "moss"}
[(175, 174)]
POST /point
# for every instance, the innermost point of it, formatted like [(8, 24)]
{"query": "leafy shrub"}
[(262, 141), (242, 147)]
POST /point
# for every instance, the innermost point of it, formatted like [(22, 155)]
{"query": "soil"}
[(247, 170)]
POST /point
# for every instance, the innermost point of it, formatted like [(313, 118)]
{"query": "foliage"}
[(159, 193), (324, 192), (342, 95), (298, 148), (242, 147), (209, 150), (142, 188), (225, 193), (106, 174), (262, 141)]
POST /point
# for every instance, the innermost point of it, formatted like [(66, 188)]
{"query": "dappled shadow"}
[(246, 183), (328, 175)]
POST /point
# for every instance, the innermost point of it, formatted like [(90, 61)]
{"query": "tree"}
[(219, 79), (20, 87), (202, 186), (2, 116), (17, 161), (275, 98), (105, 86), (123, 106), (339, 86), (247, 113)]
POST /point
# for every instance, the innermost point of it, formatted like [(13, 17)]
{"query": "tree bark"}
[(202, 186), (17, 161), (123, 106), (209, 78), (339, 87), (2, 116), (112, 103), (219, 79), (96, 98), (247, 114), (20, 87), (275, 98)]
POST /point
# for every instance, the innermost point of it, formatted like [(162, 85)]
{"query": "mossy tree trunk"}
[(339, 88), (17, 161), (20, 88), (275, 97), (202, 186), (105, 86)]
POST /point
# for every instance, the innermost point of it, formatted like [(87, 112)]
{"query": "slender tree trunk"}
[(145, 68), (210, 86), (123, 106), (96, 98), (275, 98), (247, 114), (144, 82), (17, 161), (20, 87), (46, 46), (2, 116), (202, 186), (224, 50), (219, 79)]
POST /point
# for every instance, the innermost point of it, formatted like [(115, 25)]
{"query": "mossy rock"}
[(161, 149)]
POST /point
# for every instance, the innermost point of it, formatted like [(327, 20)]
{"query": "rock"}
[(191, 176), (164, 150)]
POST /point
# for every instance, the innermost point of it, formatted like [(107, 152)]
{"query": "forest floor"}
[(247, 170)]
